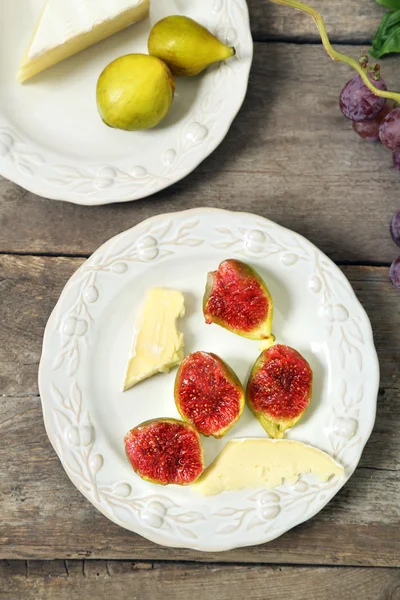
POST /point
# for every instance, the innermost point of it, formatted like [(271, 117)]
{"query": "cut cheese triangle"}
[(66, 27), (264, 463), (157, 344)]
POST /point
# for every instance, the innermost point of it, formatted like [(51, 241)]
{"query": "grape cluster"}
[(373, 117), (357, 102), (394, 271)]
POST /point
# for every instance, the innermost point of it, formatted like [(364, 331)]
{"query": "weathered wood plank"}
[(290, 156), (30, 286), (74, 580), (346, 22), (44, 516)]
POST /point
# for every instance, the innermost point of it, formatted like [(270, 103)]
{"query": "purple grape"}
[(369, 130), (358, 103), (389, 131), (394, 273), (396, 160), (395, 227)]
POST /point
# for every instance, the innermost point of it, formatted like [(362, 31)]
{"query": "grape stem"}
[(337, 56)]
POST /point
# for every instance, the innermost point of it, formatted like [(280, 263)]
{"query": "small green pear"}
[(186, 46), (135, 92)]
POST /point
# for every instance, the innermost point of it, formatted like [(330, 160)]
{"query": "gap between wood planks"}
[(74, 580), (339, 263), (303, 40), (171, 564), (288, 136)]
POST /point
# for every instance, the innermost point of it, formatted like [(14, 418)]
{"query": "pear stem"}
[(334, 54)]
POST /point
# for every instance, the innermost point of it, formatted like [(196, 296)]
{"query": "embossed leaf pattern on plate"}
[(75, 440), (155, 243), (333, 292), (204, 123), (16, 151), (234, 518)]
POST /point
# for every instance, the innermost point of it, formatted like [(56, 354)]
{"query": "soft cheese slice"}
[(264, 463), (68, 26), (157, 344)]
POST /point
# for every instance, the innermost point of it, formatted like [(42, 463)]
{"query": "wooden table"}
[(290, 156)]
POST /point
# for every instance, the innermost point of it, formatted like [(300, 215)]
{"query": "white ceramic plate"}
[(52, 141), (87, 341)]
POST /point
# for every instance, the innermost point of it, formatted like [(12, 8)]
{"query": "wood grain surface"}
[(290, 156), (67, 580), (354, 21), (44, 516)]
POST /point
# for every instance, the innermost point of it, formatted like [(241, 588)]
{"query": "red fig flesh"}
[(237, 299), (279, 389), (208, 394), (165, 451)]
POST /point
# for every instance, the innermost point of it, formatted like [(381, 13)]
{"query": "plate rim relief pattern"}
[(41, 173), (174, 230)]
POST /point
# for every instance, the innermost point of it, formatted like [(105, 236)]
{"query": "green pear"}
[(186, 46), (135, 92)]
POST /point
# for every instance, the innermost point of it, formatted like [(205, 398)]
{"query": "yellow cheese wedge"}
[(157, 344), (264, 463), (66, 27)]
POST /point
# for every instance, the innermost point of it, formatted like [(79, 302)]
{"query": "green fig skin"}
[(186, 46), (135, 92)]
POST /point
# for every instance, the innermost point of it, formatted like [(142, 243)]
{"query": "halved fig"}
[(165, 451), (208, 394), (279, 389), (237, 299)]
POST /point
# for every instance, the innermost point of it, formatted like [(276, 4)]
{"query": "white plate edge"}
[(148, 533)]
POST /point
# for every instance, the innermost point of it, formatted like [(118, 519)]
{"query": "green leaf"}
[(393, 4), (387, 37)]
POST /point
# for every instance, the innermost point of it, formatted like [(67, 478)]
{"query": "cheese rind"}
[(67, 27), (157, 344), (264, 463)]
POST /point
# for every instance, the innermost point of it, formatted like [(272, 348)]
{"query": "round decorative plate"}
[(52, 140), (87, 343)]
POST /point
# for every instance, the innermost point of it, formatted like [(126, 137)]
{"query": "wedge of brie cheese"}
[(264, 463), (157, 343), (66, 27)]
